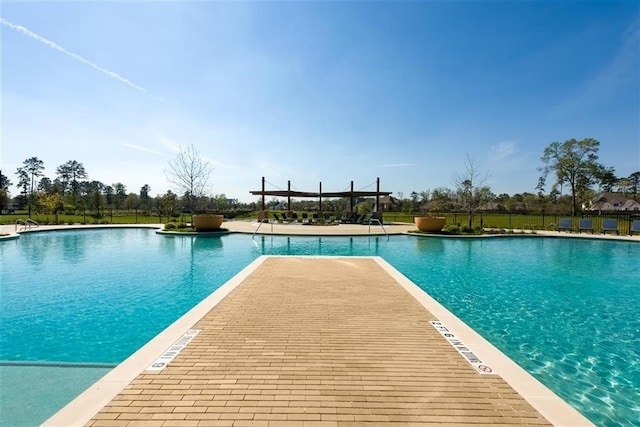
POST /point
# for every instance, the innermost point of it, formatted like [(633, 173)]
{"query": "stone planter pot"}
[(207, 222), (430, 223)]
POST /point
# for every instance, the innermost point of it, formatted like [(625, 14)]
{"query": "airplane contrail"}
[(75, 56)]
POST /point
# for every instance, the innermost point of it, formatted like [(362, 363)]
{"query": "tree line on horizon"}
[(572, 165)]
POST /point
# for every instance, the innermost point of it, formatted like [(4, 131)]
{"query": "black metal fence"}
[(548, 222), (517, 221)]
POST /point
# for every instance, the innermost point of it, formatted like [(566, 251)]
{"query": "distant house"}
[(388, 203), (613, 202), (493, 207)]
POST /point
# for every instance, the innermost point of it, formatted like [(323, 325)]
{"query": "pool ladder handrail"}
[(258, 228), (380, 224), (26, 224)]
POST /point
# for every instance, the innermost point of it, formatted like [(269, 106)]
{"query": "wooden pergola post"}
[(351, 198), (378, 194)]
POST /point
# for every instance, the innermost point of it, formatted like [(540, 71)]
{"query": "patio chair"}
[(610, 225), (565, 224), (285, 218), (635, 226), (376, 218), (327, 217), (585, 224), (276, 217), (294, 217), (315, 217), (338, 217), (351, 218)]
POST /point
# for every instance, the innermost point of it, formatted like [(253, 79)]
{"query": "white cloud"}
[(143, 149), (612, 78), (75, 56), (502, 151)]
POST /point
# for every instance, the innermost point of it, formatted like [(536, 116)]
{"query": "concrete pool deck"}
[(317, 341), (250, 227)]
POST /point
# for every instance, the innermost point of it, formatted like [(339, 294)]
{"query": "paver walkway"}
[(317, 342)]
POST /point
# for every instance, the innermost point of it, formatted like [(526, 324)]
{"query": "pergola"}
[(351, 194)]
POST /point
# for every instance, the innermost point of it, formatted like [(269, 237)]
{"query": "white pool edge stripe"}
[(172, 352), (472, 359), (80, 410), (545, 401)]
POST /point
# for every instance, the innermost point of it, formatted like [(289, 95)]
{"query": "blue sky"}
[(318, 91)]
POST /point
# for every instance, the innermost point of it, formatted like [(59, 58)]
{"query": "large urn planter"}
[(430, 223), (207, 222)]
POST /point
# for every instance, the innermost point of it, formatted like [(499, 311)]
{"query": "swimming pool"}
[(566, 310)]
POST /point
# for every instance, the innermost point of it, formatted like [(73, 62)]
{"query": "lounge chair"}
[(285, 218), (327, 217), (315, 217), (305, 218), (351, 218), (610, 225), (338, 217), (585, 224), (294, 217), (276, 217), (376, 218), (635, 226), (565, 224)]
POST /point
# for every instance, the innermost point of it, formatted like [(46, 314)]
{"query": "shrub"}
[(170, 226), (452, 228), (466, 229)]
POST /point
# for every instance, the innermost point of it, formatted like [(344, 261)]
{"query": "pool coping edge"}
[(544, 400), (83, 407)]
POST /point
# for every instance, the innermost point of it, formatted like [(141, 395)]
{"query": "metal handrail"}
[(26, 224), (379, 223), (258, 228)]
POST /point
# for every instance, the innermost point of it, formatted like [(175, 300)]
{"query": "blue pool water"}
[(566, 310)]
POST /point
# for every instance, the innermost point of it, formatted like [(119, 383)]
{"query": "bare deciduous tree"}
[(470, 187), (189, 173)]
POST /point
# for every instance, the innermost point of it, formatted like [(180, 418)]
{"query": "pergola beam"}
[(320, 194)]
